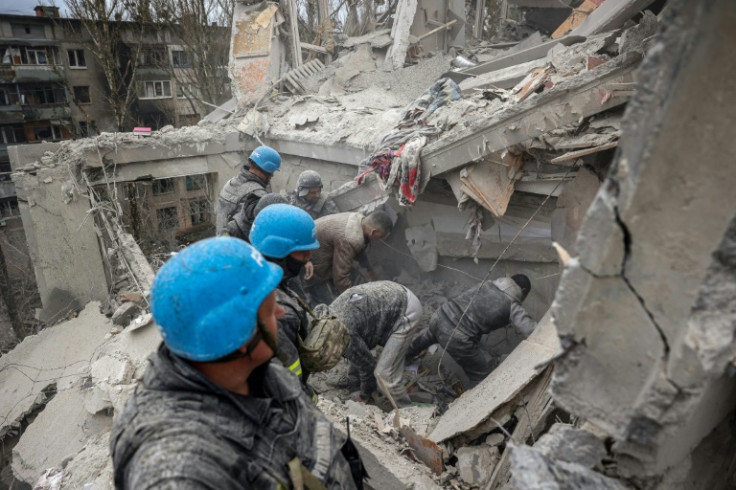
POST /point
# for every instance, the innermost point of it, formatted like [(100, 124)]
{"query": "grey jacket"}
[(341, 242), (497, 304), (323, 207), (292, 325), (239, 195), (370, 312), (180, 430)]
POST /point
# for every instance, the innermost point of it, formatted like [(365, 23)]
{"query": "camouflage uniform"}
[(379, 313), (242, 191), (323, 207), (182, 431)]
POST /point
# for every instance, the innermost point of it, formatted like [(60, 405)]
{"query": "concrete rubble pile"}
[(588, 137)]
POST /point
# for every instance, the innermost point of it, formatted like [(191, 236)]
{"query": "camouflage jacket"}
[(181, 431), (323, 207), (239, 195)]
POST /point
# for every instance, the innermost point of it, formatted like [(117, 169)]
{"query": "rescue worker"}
[(378, 313), (286, 236), (211, 411), (490, 306), (245, 189), (239, 226), (344, 238), (308, 196)]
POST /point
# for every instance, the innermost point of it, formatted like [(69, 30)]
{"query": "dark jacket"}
[(495, 304), (294, 324), (180, 430), (370, 312), (323, 207), (239, 196)]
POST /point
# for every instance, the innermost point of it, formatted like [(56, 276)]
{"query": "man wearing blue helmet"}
[(245, 189), (286, 235), (211, 411)]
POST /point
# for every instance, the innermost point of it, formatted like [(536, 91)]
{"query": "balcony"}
[(38, 73), (11, 114), (46, 112)]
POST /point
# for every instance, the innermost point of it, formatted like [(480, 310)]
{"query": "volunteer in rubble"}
[(239, 226), (286, 236), (308, 196), (472, 314), (378, 313), (245, 189), (344, 238), (211, 411)]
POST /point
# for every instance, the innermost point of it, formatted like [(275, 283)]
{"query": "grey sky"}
[(25, 7)]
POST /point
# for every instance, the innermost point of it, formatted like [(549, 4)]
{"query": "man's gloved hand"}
[(308, 270)]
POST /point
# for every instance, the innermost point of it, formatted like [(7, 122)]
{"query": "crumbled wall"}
[(630, 309)]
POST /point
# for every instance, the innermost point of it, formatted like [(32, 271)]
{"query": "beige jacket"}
[(341, 242)]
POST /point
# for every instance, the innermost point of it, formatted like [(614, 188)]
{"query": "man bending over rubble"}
[(344, 238), (245, 189), (211, 411), (492, 305), (378, 313)]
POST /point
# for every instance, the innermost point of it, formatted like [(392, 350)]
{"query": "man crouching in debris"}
[(308, 196), (490, 306), (343, 239), (378, 313), (212, 412), (245, 189)]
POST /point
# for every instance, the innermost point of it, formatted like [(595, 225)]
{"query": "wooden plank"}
[(436, 30), (312, 47), (576, 18), (581, 153)]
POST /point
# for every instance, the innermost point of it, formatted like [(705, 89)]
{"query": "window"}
[(163, 186), (153, 57), (155, 90), (199, 211), (51, 132), (12, 134), (167, 219), (196, 182), (76, 58), (43, 94), (36, 56), (81, 94), (181, 59), (9, 208)]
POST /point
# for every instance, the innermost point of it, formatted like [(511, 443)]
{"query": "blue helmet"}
[(205, 299), (266, 158), (281, 229)]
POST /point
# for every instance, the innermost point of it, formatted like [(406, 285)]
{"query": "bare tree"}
[(201, 29), (116, 45)]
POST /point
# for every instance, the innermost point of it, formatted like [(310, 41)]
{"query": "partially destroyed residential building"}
[(594, 158)]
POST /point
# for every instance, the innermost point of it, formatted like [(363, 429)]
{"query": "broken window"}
[(12, 134), (181, 59), (52, 132), (153, 56), (163, 186), (81, 94), (155, 89), (9, 208), (199, 211), (76, 58), (168, 219), (43, 94), (196, 182)]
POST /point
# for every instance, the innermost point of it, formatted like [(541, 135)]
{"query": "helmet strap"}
[(262, 334)]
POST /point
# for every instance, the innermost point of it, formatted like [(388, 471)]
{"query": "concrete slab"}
[(477, 406), (609, 16), (60, 355)]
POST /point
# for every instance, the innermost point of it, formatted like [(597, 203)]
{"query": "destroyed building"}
[(592, 156)]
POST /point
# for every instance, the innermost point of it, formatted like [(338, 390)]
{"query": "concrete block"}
[(475, 464), (566, 443), (125, 313), (495, 439), (97, 400), (112, 369)]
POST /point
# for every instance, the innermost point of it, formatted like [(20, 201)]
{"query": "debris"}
[(564, 442), (423, 449), (475, 464), (125, 313)]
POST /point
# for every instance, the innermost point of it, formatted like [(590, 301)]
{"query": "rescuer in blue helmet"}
[(211, 410), (242, 192), (286, 235)]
